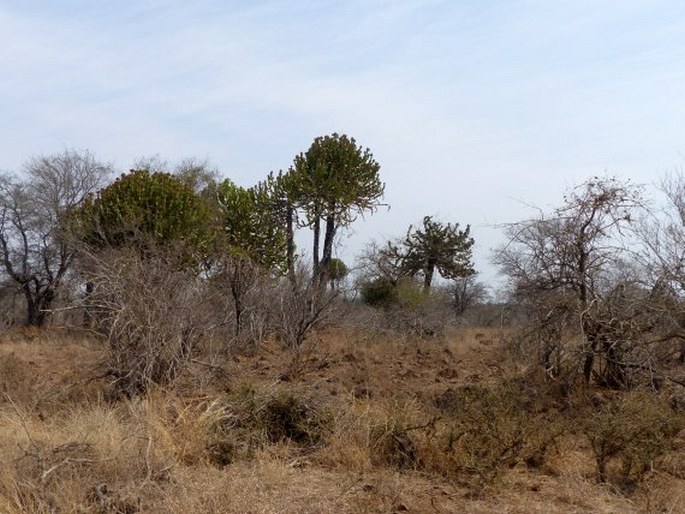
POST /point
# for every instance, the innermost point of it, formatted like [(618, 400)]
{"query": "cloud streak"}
[(467, 107)]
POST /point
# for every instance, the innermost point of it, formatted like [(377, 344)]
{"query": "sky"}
[(476, 110)]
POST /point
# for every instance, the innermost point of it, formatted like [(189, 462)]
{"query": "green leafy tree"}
[(250, 225), (334, 182), (254, 238), (435, 247), (141, 208), (337, 271)]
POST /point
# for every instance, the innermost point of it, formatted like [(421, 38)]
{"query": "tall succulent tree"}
[(435, 246), (283, 190), (334, 182)]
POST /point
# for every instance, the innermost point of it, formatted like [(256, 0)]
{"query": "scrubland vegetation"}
[(372, 421), (167, 348)]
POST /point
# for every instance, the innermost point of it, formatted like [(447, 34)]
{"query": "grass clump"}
[(397, 436), (249, 420)]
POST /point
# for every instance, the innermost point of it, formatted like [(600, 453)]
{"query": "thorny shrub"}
[(634, 429), (152, 312), (488, 430)]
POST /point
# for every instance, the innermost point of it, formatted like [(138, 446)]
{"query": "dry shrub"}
[(349, 443), (476, 433), (402, 307), (635, 429), (239, 424), (243, 300), (488, 430), (398, 445), (419, 314), (153, 312), (300, 305), (374, 434)]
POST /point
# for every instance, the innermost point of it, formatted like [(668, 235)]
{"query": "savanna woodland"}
[(169, 344)]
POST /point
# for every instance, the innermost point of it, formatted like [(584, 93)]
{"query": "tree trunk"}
[(315, 248), (290, 242), (32, 311), (37, 305), (591, 342), (237, 292), (428, 277), (327, 257)]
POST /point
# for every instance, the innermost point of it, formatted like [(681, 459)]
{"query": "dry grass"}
[(366, 425)]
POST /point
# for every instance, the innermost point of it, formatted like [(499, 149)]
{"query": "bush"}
[(635, 429), (381, 292), (152, 313), (488, 430), (292, 418), (240, 424), (392, 444)]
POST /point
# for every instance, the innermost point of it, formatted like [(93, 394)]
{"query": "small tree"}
[(467, 291), (254, 239), (200, 176), (663, 258), (337, 271), (36, 247), (334, 182), (562, 266), (438, 246)]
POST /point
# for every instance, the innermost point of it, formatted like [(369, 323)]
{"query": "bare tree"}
[(663, 237), (467, 291), (561, 267), (36, 251)]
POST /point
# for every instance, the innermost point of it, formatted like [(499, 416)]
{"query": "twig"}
[(21, 418), (147, 458), (207, 364), (47, 472)]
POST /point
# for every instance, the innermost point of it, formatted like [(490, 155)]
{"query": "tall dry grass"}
[(369, 425)]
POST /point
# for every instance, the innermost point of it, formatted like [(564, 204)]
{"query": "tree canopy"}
[(333, 182), (251, 226), (435, 246), (142, 207)]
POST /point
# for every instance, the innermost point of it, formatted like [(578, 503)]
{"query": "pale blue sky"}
[(472, 108)]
